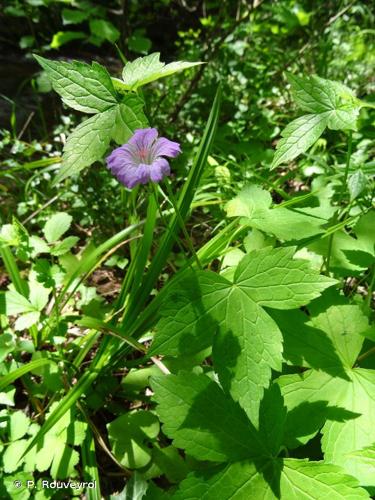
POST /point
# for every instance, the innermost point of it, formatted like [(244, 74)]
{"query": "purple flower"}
[(141, 159)]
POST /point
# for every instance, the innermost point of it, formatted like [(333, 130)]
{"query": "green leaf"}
[(16, 303), (304, 344), (369, 333), (286, 224), (138, 43), (22, 370), (7, 395), (329, 103), (364, 230), (135, 488), (272, 278), (38, 245), (188, 323), (11, 486), (347, 256), (170, 463), (64, 459), (272, 419), (56, 447), (356, 184), (149, 68), (26, 42), (128, 436), (26, 320), (38, 295), (63, 37), (363, 466), (64, 246), (285, 479), (321, 96), (298, 137), (18, 425), (9, 235), (317, 95), (12, 454), (86, 88), (90, 140), (86, 144), (70, 16), (128, 116), (343, 325), (56, 226), (186, 405), (350, 427), (104, 29), (248, 345), (7, 345), (249, 200)]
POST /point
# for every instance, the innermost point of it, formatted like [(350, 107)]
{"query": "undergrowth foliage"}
[(248, 373)]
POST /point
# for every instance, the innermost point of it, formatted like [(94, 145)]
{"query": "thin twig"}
[(210, 54), (49, 202), (30, 117)]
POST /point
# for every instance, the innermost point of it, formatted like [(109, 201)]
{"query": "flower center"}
[(143, 155)]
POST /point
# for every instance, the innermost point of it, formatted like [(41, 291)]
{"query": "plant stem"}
[(347, 165), (183, 250), (182, 224), (341, 195), (366, 354), (370, 287)]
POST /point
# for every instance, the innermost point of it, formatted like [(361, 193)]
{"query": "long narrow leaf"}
[(88, 264), (138, 263), (19, 284), (9, 378), (184, 202), (90, 467), (69, 399), (110, 345)]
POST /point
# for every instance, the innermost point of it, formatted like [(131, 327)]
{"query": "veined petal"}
[(143, 138), (128, 177), (141, 159), (159, 169), (165, 147)]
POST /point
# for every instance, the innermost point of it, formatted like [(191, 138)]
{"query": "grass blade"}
[(110, 345), (185, 199), (9, 378), (90, 467)]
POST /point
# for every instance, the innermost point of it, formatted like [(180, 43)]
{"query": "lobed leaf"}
[(246, 348), (272, 278), (349, 428), (202, 420), (287, 479)]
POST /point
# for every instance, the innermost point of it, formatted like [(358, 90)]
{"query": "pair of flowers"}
[(142, 158)]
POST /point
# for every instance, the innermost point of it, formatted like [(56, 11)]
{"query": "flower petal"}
[(120, 157), (143, 138), (165, 147), (159, 169), (141, 160), (128, 177)]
